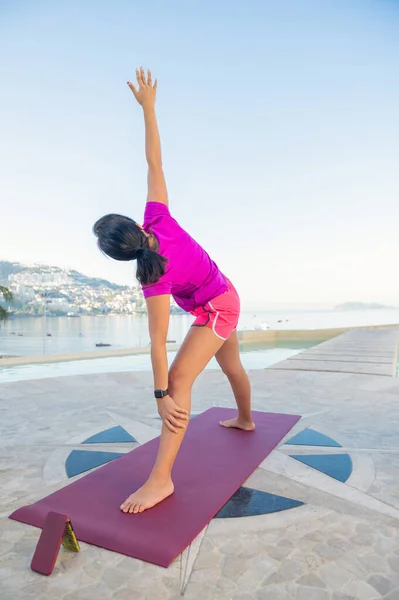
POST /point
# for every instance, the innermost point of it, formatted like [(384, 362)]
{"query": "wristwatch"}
[(161, 393)]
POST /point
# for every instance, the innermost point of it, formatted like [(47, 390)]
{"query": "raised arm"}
[(146, 96)]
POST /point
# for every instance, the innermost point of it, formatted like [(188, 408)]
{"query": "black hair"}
[(122, 239)]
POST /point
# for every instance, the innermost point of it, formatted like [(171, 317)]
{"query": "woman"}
[(169, 262)]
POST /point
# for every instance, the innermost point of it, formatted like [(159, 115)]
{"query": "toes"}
[(126, 505), (131, 507)]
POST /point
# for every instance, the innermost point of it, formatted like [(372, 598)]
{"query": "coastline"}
[(246, 337)]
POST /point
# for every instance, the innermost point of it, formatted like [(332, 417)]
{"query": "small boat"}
[(48, 334), (101, 345), (171, 341), (20, 335)]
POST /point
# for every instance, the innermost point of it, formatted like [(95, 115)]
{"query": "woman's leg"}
[(200, 345), (229, 360)]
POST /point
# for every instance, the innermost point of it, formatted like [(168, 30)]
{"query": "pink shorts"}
[(220, 314)]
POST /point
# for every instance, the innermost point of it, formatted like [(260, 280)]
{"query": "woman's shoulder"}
[(154, 213), (157, 217), (154, 209)]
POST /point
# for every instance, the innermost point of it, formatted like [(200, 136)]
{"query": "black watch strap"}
[(161, 393)]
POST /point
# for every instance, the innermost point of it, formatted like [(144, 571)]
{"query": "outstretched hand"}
[(147, 91)]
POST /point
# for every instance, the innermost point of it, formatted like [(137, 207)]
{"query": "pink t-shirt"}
[(191, 277)]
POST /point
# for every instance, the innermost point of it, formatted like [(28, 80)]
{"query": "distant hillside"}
[(93, 281), (46, 290), (12, 268), (360, 306), (9, 268)]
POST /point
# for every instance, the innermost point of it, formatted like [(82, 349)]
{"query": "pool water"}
[(258, 358)]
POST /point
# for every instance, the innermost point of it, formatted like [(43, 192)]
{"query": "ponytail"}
[(150, 266), (122, 239)]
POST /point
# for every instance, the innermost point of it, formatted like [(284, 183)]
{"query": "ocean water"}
[(28, 336)]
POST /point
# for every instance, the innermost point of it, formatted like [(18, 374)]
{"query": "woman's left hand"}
[(147, 92)]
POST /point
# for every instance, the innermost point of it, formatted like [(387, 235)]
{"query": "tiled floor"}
[(341, 542)]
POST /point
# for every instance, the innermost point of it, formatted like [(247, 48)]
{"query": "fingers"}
[(173, 423), (143, 81), (142, 77), (178, 415), (174, 417), (169, 426), (149, 79), (132, 88)]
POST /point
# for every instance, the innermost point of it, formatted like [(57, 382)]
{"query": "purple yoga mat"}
[(212, 464)]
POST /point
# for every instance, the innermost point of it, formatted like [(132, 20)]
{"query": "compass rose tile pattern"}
[(342, 539)]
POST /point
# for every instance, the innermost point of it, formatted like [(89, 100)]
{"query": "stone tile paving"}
[(356, 351), (332, 548), (386, 483), (328, 555)]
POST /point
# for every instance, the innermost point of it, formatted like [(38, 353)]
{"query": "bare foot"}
[(150, 494), (237, 424)]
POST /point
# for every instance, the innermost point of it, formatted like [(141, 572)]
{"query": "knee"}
[(232, 371), (178, 380)]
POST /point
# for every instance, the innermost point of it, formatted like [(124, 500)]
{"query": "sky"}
[(279, 125)]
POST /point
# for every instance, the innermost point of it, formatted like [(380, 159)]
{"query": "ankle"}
[(160, 477), (246, 420)]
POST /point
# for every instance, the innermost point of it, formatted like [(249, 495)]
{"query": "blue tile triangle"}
[(247, 502), (337, 466), (310, 437), (113, 435), (80, 461)]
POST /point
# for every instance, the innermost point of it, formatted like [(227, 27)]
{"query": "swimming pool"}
[(253, 358)]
